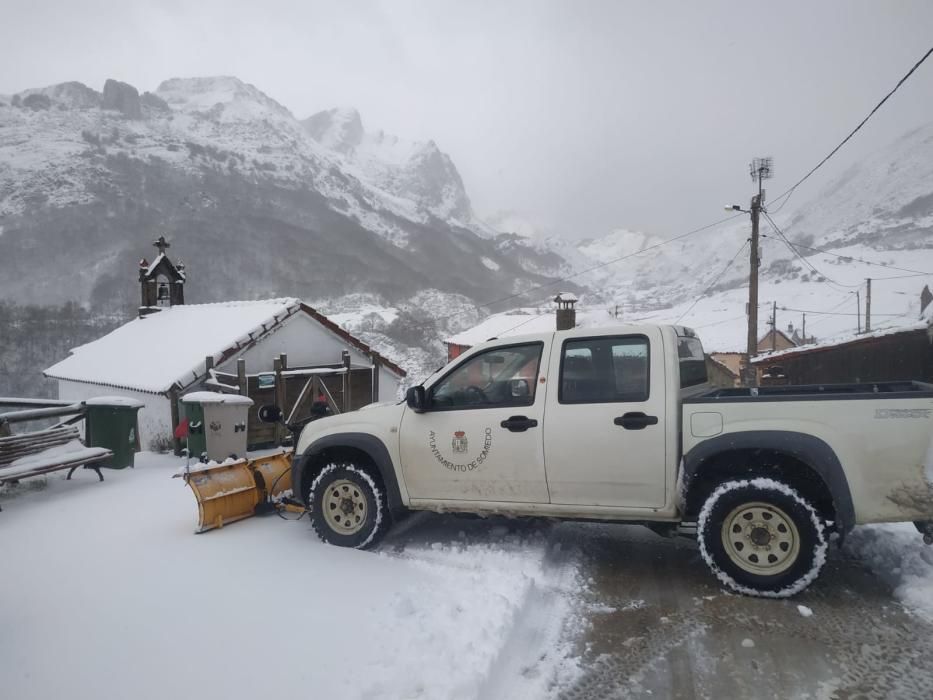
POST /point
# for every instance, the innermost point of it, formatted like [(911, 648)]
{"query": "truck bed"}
[(818, 392)]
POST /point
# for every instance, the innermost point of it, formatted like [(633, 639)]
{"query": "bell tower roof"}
[(161, 281)]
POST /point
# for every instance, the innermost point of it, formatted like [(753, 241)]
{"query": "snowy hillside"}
[(876, 221), (405, 169), (258, 202)]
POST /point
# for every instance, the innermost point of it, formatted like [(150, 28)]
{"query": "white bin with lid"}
[(217, 424)]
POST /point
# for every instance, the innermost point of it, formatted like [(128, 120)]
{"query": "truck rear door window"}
[(604, 370), (692, 362)]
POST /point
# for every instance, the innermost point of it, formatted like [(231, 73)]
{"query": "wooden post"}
[(279, 395), (376, 367), (345, 356), (241, 376), (176, 419), (283, 358), (868, 306)]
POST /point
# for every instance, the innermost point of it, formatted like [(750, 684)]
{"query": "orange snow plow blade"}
[(232, 490)]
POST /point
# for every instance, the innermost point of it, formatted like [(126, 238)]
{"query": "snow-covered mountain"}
[(260, 203), (420, 172), (256, 201), (875, 220)]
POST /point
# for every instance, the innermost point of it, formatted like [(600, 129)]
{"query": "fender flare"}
[(810, 450), (370, 444)]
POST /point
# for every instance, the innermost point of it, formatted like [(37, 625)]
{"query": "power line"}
[(610, 262), (830, 313), (902, 277), (847, 299), (725, 320), (803, 259), (916, 273), (842, 143), (711, 284)]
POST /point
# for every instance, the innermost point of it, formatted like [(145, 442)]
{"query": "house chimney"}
[(566, 314)]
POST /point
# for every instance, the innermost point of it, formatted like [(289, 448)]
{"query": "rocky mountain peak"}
[(338, 129), (223, 98), (123, 98), (70, 95)]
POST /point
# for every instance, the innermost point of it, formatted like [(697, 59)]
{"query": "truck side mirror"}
[(415, 398), (270, 413)]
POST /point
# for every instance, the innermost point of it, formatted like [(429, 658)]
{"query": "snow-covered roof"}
[(214, 397), (846, 339), (156, 351), (523, 322), (168, 347)]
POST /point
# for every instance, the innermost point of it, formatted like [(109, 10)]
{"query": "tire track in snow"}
[(534, 660), (530, 657)]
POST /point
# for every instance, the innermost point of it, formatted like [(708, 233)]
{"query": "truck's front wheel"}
[(348, 507), (760, 537)]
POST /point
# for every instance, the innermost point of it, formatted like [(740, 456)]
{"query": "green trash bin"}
[(196, 441), (112, 423)]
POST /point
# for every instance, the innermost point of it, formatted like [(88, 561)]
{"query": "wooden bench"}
[(46, 451)]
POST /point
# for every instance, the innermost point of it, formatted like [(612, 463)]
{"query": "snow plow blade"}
[(232, 490)]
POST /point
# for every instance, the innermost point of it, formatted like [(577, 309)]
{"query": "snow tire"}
[(726, 507), (362, 492)]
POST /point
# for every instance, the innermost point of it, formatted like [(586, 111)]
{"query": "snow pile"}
[(896, 553), (445, 608)]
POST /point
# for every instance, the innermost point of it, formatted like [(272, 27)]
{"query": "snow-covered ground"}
[(896, 553), (106, 592)]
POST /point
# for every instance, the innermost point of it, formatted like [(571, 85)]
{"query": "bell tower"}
[(161, 282)]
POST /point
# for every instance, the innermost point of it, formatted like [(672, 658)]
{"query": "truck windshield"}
[(692, 361)]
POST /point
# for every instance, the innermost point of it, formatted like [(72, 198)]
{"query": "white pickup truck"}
[(619, 424)]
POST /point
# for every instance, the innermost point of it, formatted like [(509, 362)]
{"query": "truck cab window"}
[(604, 370), (499, 377)]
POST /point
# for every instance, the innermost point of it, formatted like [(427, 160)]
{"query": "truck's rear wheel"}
[(348, 508), (760, 537)]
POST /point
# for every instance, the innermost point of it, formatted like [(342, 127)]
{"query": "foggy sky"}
[(584, 116)]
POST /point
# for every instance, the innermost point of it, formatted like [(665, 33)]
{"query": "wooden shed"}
[(892, 354), (158, 357)]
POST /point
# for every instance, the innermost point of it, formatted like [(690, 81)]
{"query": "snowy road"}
[(661, 628), (104, 589)]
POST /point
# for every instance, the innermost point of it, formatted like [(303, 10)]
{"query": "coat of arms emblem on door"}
[(459, 442)]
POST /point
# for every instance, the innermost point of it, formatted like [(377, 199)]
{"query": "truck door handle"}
[(518, 424), (635, 421)]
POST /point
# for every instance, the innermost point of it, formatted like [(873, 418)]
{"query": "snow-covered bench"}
[(44, 451)]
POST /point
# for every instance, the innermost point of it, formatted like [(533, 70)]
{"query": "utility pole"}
[(752, 338), (773, 326), (858, 310), (868, 306), (760, 169), (804, 330)]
